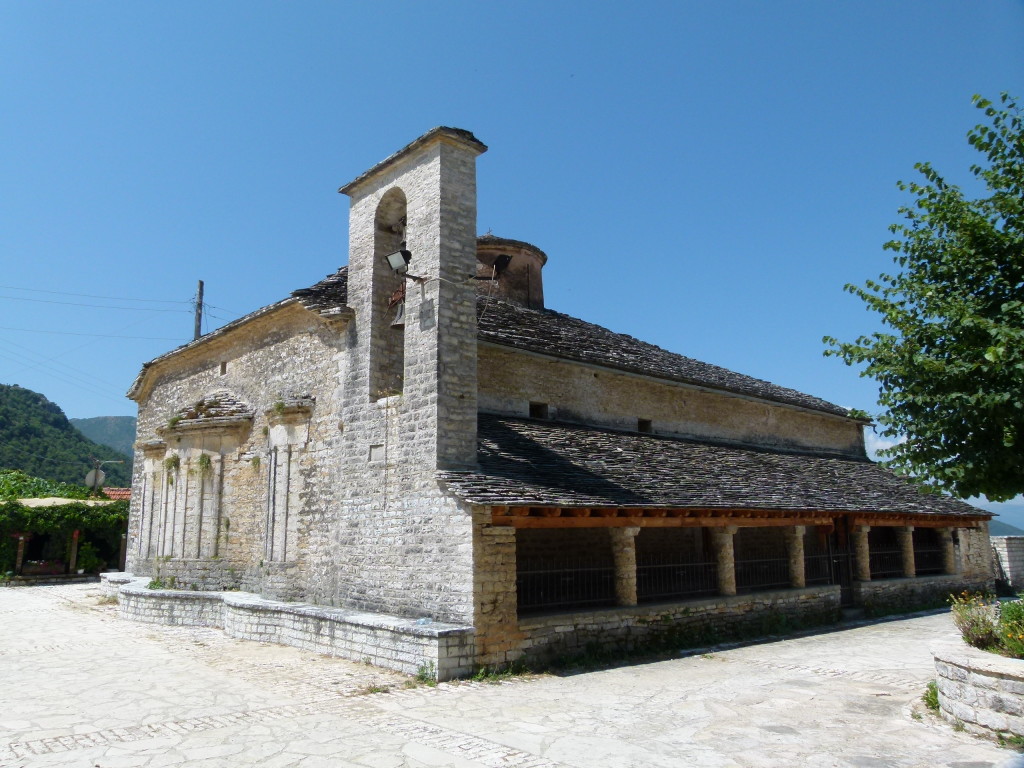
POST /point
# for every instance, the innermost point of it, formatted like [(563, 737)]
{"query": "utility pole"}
[(199, 312)]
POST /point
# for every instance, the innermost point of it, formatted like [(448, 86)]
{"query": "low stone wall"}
[(407, 645), (176, 607), (890, 596), (679, 625), (111, 582), (982, 691), (191, 574)]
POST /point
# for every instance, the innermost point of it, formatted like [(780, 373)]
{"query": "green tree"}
[(950, 358)]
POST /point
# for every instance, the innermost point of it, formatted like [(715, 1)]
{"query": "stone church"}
[(415, 462)]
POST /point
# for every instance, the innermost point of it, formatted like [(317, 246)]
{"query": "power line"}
[(96, 335), (97, 306), (225, 309), (73, 378), (93, 296)]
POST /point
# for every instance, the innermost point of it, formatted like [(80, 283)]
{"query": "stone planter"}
[(983, 691)]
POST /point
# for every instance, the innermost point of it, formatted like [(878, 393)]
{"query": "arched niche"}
[(387, 349)]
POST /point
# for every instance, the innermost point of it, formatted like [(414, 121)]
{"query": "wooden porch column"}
[(862, 552), (948, 550), (624, 553), (19, 559), (795, 548), (905, 536), (725, 558), (73, 560)]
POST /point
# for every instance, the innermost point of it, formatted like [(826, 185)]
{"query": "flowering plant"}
[(988, 624)]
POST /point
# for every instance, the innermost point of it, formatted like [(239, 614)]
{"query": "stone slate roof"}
[(526, 462), (552, 333), (329, 294)]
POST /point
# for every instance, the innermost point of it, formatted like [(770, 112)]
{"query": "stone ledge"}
[(394, 642), (982, 691)]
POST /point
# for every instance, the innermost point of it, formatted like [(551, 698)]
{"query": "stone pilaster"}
[(623, 542), (725, 558), (905, 537), (862, 552), (795, 549)]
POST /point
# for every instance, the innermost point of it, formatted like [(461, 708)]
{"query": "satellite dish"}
[(95, 478)]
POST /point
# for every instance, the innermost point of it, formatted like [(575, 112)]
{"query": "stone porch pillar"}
[(496, 606), (948, 550), (795, 548), (725, 558), (905, 537), (624, 553), (862, 552)]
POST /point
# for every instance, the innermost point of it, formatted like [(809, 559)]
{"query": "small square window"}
[(539, 411), (644, 425)]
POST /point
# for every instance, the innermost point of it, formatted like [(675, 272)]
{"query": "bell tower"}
[(421, 200)]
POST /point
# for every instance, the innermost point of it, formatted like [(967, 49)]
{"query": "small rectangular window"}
[(644, 425), (539, 411), (223, 368)]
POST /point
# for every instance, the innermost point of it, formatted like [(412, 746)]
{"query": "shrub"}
[(976, 615), (1011, 628)]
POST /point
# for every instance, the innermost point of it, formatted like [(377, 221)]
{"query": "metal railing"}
[(928, 561), (767, 573), (820, 569), (662, 581), (886, 564), (555, 586)]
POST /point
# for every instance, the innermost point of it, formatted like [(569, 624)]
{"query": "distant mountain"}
[(996, 528), (117, 432), (37, 438)]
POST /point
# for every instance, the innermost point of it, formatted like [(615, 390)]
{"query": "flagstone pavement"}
[(79, 686)]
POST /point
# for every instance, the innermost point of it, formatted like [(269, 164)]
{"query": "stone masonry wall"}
[(509, 381), (680, 625), (1009, 551), (976, 559), (888, 596), (288, 353)]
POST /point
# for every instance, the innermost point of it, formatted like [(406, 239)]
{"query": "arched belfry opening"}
[(387, 326)]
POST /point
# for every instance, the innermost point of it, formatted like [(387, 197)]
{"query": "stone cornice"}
[(457, 136)]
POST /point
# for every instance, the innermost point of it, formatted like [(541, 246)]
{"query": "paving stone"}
[(192, 696)]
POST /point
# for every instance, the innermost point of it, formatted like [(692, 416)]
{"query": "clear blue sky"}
[(705, 176)]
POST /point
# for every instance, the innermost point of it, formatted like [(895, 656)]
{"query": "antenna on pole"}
[(199, 312)]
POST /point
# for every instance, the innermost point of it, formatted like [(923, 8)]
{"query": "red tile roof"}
[(118, 494)]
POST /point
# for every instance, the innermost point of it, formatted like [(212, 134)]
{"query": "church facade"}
[(417, 438)]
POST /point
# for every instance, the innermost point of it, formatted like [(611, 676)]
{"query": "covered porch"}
[(575, 558)]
